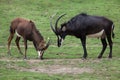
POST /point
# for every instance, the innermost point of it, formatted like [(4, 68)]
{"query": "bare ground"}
[(58, 69), (51, 66)]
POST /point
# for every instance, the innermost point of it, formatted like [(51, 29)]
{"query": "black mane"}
[(83, 14), (83, 25)]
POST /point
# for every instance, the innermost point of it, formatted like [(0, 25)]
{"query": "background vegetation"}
[(40, 11)]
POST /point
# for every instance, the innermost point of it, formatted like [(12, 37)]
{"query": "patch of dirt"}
[(58, 66), (58, 69)]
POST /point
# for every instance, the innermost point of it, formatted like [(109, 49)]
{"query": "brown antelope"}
[(27, 29)]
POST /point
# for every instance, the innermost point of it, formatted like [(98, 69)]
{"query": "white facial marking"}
[(39, 54), (59, 37), (62, 41), (96, 35), (64, 28), (112, 26), (18, 34)]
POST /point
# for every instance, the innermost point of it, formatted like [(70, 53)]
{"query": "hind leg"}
[(17, 43), (110, 45), (9, 42), (104, 43), (83, 41)]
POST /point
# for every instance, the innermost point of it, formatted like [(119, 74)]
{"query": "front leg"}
[(83, 41), (18, 46), (25, 43)]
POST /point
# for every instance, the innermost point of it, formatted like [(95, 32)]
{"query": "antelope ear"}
[(64, 28), (31, 21)]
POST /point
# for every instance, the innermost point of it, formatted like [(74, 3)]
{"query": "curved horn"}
[(46, 45), (58, 20), (52, 26)]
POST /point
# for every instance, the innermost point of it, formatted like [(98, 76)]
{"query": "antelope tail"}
[(113, 35)]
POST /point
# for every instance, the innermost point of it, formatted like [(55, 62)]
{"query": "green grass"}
[(39, 11), (103, 69)]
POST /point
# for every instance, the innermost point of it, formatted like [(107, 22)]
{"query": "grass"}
[(106, 70), (39, 11)]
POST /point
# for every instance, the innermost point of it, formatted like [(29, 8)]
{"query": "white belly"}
[(18, 34), (96, 35)]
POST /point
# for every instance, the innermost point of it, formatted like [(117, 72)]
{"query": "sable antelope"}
[(27, 29), (83, 25)]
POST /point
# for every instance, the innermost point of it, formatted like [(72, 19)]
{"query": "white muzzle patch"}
[(61, 40), (39, 54), (96, 35)]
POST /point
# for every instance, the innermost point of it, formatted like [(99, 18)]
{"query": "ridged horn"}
[(56, 24), (48, 43), (52, 26)]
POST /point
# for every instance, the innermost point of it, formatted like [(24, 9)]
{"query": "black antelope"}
[(84, 25)]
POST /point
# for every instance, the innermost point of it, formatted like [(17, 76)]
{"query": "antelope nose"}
[(59, 44)]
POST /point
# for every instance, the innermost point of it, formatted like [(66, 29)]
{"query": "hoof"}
[(21, 53), (99, 57), (110, 57), (25, 58), (41, 58), (9, 53), (84, 58)]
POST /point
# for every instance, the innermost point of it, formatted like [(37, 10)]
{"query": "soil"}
[(58, 66)]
